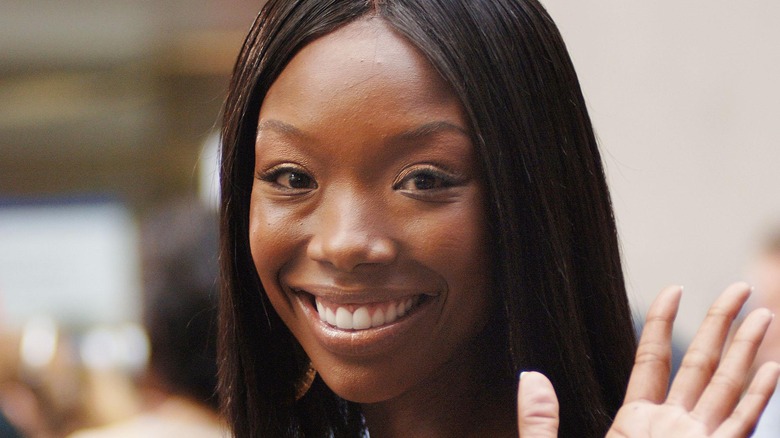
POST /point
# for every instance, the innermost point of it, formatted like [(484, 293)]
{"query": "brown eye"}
[(426, 182), (295, 180), (425, 179), (289, 178)]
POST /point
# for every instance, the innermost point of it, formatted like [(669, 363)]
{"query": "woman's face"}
[(367, 219)]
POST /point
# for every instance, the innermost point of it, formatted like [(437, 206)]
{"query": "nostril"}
[(349, 230), (348, 251)]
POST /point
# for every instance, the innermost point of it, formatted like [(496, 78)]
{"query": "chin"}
[(360, 385)]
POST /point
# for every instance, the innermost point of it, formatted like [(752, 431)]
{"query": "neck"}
[(470, 397)]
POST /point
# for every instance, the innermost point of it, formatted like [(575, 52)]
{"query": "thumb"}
[(537, 407)]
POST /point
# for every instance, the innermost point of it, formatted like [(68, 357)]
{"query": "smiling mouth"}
[(364, 316)]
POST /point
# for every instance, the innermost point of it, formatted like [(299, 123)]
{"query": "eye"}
[(288, 177), (295, 180), (425, 179)]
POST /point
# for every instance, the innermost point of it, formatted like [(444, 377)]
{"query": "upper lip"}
[(358, 295)]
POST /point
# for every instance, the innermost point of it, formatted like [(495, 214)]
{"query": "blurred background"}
[(684, 99), (108, 114)]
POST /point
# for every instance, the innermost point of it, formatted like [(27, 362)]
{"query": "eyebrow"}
[(429, 128), (423, 130), (281, 127)]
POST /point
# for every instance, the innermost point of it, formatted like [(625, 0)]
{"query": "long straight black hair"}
[(557, 262)]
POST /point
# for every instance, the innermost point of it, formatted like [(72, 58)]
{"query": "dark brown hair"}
[(557, 262)]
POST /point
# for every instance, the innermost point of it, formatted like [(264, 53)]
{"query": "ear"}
[(537, 406)]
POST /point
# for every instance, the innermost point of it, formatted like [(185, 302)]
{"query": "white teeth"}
[(343, 319), (401, 309), (330, 317), (378, 318), (391, 314), (362, 319)]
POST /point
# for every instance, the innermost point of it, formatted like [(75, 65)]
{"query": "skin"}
[(706, 398), (367, 191), (765, 273)]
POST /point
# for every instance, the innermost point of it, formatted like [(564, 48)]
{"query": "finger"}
[(650, 375), (537, 407), (745, 417), (721, 395), (702, 358)]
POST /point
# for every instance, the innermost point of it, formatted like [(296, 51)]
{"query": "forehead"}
[(366, 60)]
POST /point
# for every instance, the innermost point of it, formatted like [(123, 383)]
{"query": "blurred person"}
[(765, 275), (22, 409), (8, 347), (28, 410), (6, 428), (179, 247)]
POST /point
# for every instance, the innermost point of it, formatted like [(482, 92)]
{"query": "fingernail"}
[(520, 376)]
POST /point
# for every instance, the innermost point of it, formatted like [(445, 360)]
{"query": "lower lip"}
[(362, 343)]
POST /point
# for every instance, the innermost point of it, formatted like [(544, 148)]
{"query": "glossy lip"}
[(357, 343)]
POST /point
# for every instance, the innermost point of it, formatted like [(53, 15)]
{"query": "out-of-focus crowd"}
[(153, 377)]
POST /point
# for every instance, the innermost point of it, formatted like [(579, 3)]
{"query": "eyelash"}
[(273, 174), (443, 181)]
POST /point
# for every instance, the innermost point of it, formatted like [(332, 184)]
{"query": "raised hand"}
[(537, 406), (706, 398)]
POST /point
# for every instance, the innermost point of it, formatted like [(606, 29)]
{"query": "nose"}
[(351, 231)]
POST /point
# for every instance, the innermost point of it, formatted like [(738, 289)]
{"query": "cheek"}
[(271, 237), (459, 236), (455, 245)]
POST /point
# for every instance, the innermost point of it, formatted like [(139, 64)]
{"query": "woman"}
[(413, 211)]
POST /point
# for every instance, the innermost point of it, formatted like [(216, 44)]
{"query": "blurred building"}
[(112, 96)]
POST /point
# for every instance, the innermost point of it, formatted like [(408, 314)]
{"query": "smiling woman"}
[(372, 216), (413, 211)]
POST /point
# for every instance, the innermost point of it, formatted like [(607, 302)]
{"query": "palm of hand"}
[(646, 419)]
